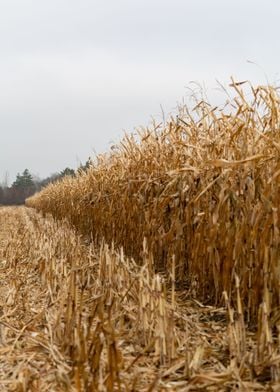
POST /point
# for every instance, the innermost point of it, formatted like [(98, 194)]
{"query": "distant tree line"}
[(26, 185)]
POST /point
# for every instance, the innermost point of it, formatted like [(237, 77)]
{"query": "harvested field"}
[(77, 318), (186, 295)]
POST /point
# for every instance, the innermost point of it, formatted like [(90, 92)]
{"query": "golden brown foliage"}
[(203, 188)]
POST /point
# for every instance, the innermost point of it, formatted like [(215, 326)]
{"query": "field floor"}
[(76, 318)]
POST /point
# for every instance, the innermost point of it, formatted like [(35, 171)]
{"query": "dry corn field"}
[(186, 295)]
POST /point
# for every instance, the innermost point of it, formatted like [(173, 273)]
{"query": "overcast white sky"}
[(75, 73)]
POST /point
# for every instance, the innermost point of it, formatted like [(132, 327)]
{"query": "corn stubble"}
[(195, 203), (77, 319)]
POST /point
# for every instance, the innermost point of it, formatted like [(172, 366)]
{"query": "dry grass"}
[(77, 319)]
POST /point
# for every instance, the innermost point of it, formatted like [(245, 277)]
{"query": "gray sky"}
[(75, 74)]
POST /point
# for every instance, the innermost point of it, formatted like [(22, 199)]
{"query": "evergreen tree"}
[(23, 180), (67, 172)]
